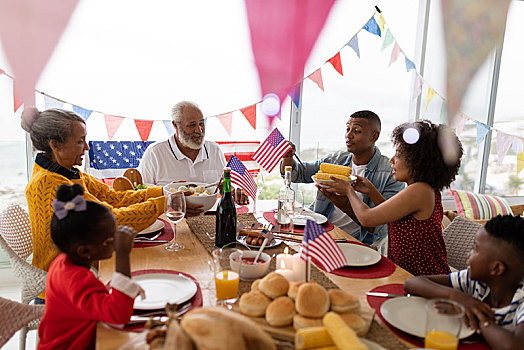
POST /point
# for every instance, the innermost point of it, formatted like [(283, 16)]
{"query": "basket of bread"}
[(327, 170)]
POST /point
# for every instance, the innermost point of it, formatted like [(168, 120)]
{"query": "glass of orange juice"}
[(444, 319), (226, 273)]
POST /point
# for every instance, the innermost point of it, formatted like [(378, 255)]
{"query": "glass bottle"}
[(286, 199), (226, 217)]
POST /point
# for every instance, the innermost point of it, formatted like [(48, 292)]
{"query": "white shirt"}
[(163, 162), (341, 219)]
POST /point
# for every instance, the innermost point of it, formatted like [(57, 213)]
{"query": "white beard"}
[(187, 141)]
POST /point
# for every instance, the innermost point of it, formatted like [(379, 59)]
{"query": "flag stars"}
[(112, 146), (125, 146)]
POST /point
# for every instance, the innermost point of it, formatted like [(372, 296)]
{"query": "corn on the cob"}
[(326, 348), (312, 337), (343, 336), (335, 169), (324, 176)]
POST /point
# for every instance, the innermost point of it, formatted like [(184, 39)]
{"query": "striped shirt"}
[(509, 316)]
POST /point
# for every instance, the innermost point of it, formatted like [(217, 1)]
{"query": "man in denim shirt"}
[(362, 131)]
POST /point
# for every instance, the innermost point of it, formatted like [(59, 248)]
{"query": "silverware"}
[(144, 238), (386, 295), (137, 319), (148, 242)]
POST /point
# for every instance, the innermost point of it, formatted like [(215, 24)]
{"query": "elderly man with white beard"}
[(185, 155)]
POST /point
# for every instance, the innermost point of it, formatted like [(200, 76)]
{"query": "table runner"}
[(376, 303), (167, 235), (383, 268), (270, 217)]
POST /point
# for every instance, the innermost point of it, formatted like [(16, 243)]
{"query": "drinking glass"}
[(226, 264), (175, 210), (443, 324), (299, 202), (260, 187)]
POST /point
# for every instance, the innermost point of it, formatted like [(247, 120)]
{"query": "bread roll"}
[(211, 332), (300, 321), (280, 312), (254, 285), (355, 322), (254, 303), (293, 289), (312, 300), (254, 337), (274, 285), (122, 184), (343, 302)]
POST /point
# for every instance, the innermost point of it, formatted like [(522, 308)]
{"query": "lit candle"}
[(299, 267), (287, 273), (287, 258)]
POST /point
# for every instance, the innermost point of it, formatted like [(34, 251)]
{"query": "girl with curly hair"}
[(414, 215)]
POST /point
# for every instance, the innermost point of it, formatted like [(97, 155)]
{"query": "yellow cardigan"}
[(137, 209)]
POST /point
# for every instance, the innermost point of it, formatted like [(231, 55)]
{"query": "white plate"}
[(359, 255), (352, 178), (156, 226), (274, 242), (162, 288), (301, 220), (371, 344), (409, 315)]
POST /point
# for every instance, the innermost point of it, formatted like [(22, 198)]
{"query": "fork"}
[(142, 239)]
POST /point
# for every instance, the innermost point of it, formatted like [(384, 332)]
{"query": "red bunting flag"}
[(112, 124), (144, 128), (251, 115), (227, 121), (316, 76), (16, 99), (1, 72), (337, 63)]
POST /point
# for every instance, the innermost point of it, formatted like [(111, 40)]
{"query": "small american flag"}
[(241, 177), (321, 247), (271, 151)]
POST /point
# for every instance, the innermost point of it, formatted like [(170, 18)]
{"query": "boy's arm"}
[(500, 338)]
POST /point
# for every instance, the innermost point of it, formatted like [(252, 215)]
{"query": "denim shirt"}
[(378, 171)]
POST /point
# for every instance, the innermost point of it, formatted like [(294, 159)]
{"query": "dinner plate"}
[(274, 242), (409, 315), (162, 288), (359, 255), (352, 178), (156, 226), (301, 220)]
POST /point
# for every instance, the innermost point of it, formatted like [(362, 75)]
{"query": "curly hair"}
[(424, 157), (508, 228)]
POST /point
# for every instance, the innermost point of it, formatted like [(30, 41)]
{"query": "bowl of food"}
[(250, 271), (197, 193)]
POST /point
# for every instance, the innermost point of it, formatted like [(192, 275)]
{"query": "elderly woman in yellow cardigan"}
[(60, 138)]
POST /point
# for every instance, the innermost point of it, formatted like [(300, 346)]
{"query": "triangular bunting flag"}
[(50, 102), (482, 130), (1, 72), (409, 65), (517, 145), (417, 86), (388, 39), (17, 100), (227, 121), (295, 95), (460, 121), (504, 142), (443, 113), (144, 128), (394, 54), (112, 124), (316, 76), (520, 162), (381, 23), (250, 113), (337, 63), (353, 43), (372, 27), (84, 113), (431, 93), (168, 124)]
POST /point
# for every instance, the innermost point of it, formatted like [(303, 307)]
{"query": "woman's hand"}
[(477, 312), (339, 186), (124, 237), (363, 185)]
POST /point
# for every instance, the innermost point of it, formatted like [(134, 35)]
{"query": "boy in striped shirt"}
[(491, 289)]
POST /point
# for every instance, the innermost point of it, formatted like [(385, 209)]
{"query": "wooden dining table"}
[(193, 261)]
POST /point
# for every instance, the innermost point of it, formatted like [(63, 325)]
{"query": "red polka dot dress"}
[(417, 245)]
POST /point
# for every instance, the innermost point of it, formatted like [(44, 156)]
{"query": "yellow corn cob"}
[(335, 169), (324, 176), (343, 336), (326, 348), (312, 337)]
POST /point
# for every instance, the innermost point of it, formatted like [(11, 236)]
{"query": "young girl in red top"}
[(414, 215), (84, 232)]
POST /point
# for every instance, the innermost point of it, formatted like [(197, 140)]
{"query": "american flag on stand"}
[(241, 177), (272, 150), (321, 248)]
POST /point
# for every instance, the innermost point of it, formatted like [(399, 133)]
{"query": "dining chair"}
[(458, 237), (16, 240), (15, 316)]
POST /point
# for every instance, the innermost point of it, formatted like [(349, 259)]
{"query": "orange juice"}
[(226, 283), (440, 340)]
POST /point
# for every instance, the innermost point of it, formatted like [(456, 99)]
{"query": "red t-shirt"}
[(75, 301)]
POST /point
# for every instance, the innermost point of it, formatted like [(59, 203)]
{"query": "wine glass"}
[(175, 210), (299, 203), (260, 187)]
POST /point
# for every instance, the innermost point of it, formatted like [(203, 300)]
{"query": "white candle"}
[(284, 271), (287, 258), (299, 267)]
